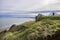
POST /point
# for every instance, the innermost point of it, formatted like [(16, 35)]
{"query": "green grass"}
[(38, 18), (32, 30), (21, 26)]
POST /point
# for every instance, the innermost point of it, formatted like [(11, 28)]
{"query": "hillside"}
[(45, 29)]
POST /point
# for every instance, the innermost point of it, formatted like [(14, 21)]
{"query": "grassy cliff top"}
[(32, 30), (40, 30)]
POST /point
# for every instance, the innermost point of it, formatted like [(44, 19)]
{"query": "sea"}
[(7, 22)]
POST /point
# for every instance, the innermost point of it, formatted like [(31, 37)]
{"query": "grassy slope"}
[(33, 30)]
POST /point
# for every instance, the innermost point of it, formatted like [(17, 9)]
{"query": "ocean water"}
[(7, 22)]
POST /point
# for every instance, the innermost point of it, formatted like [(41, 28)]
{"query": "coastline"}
[(17, 23)]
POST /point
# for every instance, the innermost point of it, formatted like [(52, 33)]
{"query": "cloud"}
[(24, 5)]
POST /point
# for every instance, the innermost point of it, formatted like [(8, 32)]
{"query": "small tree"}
[(37, 18)]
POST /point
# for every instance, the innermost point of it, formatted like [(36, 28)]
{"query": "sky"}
[(28, 5)]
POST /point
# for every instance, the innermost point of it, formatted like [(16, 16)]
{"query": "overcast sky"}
[(25, 5)]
